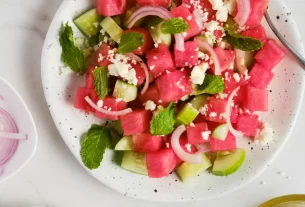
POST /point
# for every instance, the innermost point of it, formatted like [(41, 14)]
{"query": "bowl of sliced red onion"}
[(18, 135)]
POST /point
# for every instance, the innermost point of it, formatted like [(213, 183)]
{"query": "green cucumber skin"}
[(111, 27), (126, 91), (186, 115), (134, 162)]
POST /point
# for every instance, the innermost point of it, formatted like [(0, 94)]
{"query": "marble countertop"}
[(54, 178)]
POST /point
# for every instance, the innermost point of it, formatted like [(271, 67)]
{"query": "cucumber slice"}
[(125, 91), (186, 115), (117, 126), (157, 35), (186, 171), (220, 132), (199, 101), (134, 162), (111, 27), (88, 23), (228, 162), (125, 144)]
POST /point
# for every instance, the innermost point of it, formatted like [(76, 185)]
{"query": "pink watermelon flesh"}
[(140, 73), (187, 58), (256, 99), (216, 110), (110, 7), (260, 77), (160, 60), (270, 55), (247, 124), (101, 56), (257, 33), (226, 58), (258, 8), (135, 122), (173, 86), (204, 5), (110, 102), (228, 144), (81, 103), (152, 94), (90, 77), (161, 3), (184, 12), (145, 142), (183, 142), (194, 133), (160, 164)]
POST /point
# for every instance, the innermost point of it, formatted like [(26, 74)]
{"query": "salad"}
[(181, 82)]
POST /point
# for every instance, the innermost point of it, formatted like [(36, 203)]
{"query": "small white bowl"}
[(14, 104)]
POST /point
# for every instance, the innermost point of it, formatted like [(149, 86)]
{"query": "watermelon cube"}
[(152, 94), (257, 33), (194, 133), (256, 99), (184, 12), (160, 164), (160, 60), (90, 77), (258, 8), (228, 144), (201, 5), (216, 110), (260, 77), (145, 142), (140, 73), (148, 41), (226, 58), (135, 122), (187, 58), (270, 55), (247, 124), (81, 103), (112, 104), (110, 7), (161, 3), (101, 56), (173, 86)]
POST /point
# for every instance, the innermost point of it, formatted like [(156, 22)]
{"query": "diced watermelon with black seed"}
[(203, 5), (152, 94), (173, 86), (228, 144), (257, 33), (216, 110), (194, 133), (148, 41), (160, 164), (184, 12), (260, 77), (160, 60), (247, 124), (187, 58), (135, 122), (258, 8), (90, 77), (101, 56), (256, 99), (226, 58), (270, 55), (81, 103), (161, 3), (110, 7), (112, 104), (145, 142)]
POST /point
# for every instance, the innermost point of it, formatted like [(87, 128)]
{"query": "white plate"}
[(60, 87), (13, 103)]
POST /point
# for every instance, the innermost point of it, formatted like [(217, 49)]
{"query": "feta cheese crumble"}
[(150, 105), (188, 147), (198, 73), (205, 135), (265, 135), (100, 103), (236, 77), (192, 124), (203, 110)]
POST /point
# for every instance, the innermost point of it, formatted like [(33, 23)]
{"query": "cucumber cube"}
[(134, 162), (125, 144), (186, 115), (199, 101), (111, 27), (157, 35), (125, 91)]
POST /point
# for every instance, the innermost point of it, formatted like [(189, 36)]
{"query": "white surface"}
[(15, 106), (54, 177)]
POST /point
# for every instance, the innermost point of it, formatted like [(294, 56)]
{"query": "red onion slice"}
[(198, 18), (191, 158), (143, 65), (179, 39), (203, 147), (240, 61), (243, 13), (205, 46), (147, 9), (236, 133), (161, 14), (9, 135), (104, 111)]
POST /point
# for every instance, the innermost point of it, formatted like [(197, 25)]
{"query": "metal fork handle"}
[(283, 40)]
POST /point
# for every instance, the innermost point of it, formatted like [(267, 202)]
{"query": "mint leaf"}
[(163, 123), (174, 26), (93, 147), (212, 84), (130, 41), (101, 81), (242, 42), (71, 54)]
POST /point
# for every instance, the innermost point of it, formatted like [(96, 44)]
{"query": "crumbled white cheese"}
[(156, 45), (155, 58), (189, 18), (230, 5), (210, 38), (247, 77), (123, 70), (205, 16), (216, 4), (188, 147), (213, 114), (184, 34), (118, 99), (211, 26), (198, 73), (167, 145), (236, 77), (265, 135), (100, 57), (222, 14), (184, 98), (201, 55), (192, 124), (205, 135), (152, 67), (102, 31), (100, 103), (221, 95), (109, 109), (152, 27), (150, 105), (231, 67), (203, 110)]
